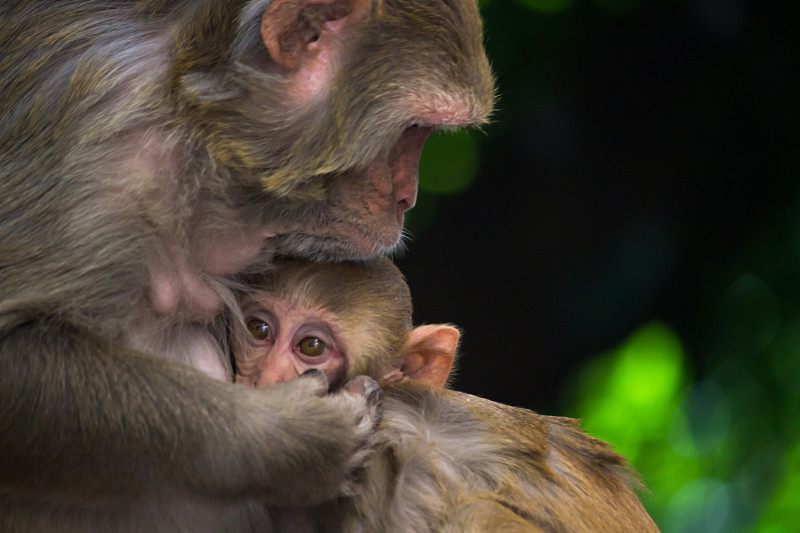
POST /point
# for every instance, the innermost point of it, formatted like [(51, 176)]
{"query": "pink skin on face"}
[(285, 340)]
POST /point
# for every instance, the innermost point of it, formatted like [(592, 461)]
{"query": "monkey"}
[(154, 152), (441, 460), (297, 311)]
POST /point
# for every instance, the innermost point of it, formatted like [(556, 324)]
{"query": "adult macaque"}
[(442, 460), (150, 152)]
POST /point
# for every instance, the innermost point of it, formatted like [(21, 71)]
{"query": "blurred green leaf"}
[(783, 511), (630, 394), (449, 163), (630, 398)]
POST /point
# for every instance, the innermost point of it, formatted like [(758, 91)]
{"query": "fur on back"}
[(439, 452)]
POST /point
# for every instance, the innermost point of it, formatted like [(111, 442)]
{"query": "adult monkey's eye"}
[(312, 347), (259, 329)]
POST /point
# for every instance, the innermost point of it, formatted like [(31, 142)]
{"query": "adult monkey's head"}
[(341, 96)]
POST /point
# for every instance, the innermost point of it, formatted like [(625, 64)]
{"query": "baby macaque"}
[(441, 460)]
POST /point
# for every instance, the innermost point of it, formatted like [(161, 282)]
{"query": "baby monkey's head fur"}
[(370, 298)]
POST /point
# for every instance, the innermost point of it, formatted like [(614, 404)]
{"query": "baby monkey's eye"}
[(312, 347), (259, 329)]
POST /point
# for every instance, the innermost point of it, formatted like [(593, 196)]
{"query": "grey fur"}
[(136, 139)]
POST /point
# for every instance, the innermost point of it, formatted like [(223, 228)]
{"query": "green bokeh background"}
[(622, 243)]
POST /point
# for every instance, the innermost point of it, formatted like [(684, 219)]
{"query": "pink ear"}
[(429, 354), (296, 31)]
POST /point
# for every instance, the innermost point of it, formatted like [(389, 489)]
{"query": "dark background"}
[(642, 162)]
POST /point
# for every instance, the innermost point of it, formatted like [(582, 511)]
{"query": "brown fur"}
[(150, 152), (446, 461), (450, 462)]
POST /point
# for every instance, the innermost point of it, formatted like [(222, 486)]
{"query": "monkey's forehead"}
[(291, 308)]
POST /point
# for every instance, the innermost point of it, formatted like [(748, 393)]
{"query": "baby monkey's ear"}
[(427, 355)]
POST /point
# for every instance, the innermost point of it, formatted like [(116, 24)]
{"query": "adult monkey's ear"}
[(299, 33), (427, 356)]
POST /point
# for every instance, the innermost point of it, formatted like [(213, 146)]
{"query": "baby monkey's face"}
[(285, 339)]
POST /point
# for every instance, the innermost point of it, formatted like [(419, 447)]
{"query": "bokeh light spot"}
[(649, 368), (680, 436), (782, 511), (449, 163), (630, 395), (700, 506), (707, 413)]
